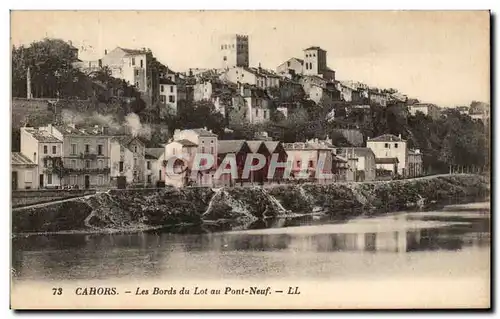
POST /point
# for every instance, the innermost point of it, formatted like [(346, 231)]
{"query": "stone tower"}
[(233, 51)]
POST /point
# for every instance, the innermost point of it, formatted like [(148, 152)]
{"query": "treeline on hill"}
[(454, 139)]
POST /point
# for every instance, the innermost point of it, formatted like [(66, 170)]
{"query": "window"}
[(99, 149), (162, 98), (100, 163), (288, 63), (386, 145), (121, 166), (233, 46), (149, 179), (311, 164), (212, 141), (224, 58), (49, 178), (73, 164), (203, 149), (72, 180), (162, 88), (142, 63), (395, 145), (34, 157), (87, 148), (265, 113), (135, 149), (45, 149), (45, 161), (136, 72), (299, 163), (100, 179), (133, 61), (54, 149), (73, 149), (256, 112), (222, 47), (171, 98), (148, 165), (171, 89), (135, 161), (28, 176), (212, 150), (87, 164)]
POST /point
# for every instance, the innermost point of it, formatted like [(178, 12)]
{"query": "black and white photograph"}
[(250, 160)]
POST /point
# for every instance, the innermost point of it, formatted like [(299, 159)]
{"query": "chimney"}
[(49, 128), (105, 52), (399, 135)]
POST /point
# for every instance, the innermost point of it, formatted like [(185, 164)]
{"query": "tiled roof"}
[(125, 140), (386, 160), (186, 143), (133, 51), (314, 48), (358, 151), (69, 130), (229, 146), (155, 152), (305, 146), (42, 136), (386, 138), (202, 132), (166, 81), (17, 158), (262, 72)]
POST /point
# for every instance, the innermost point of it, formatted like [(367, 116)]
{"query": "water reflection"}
[(197, 253)]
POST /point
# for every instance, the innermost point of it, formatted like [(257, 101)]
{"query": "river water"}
[(451, 242)]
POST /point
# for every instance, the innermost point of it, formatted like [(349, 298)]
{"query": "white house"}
[(387, 147), (154, 158), (45, 150), (254, 76), (23, 172)]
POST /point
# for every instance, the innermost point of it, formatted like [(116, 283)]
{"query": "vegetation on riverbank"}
[(126, 210)]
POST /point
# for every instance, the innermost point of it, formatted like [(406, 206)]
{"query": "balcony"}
[(97, 171)]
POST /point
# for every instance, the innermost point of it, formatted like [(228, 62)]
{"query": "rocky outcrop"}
[(132, 210)]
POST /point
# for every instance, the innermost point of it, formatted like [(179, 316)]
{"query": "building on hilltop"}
[(135, 66), (291, 67), (254, 76), (428, 109), (168, 97), (314, 62), (234, 51)]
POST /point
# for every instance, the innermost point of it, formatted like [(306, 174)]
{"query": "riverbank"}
[(143, 209)]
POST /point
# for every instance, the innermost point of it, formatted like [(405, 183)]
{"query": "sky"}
[(440, 57)]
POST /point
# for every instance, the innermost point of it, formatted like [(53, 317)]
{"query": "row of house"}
[(66, 156)]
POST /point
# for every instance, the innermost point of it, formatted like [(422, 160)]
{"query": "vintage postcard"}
[(250, 160)]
